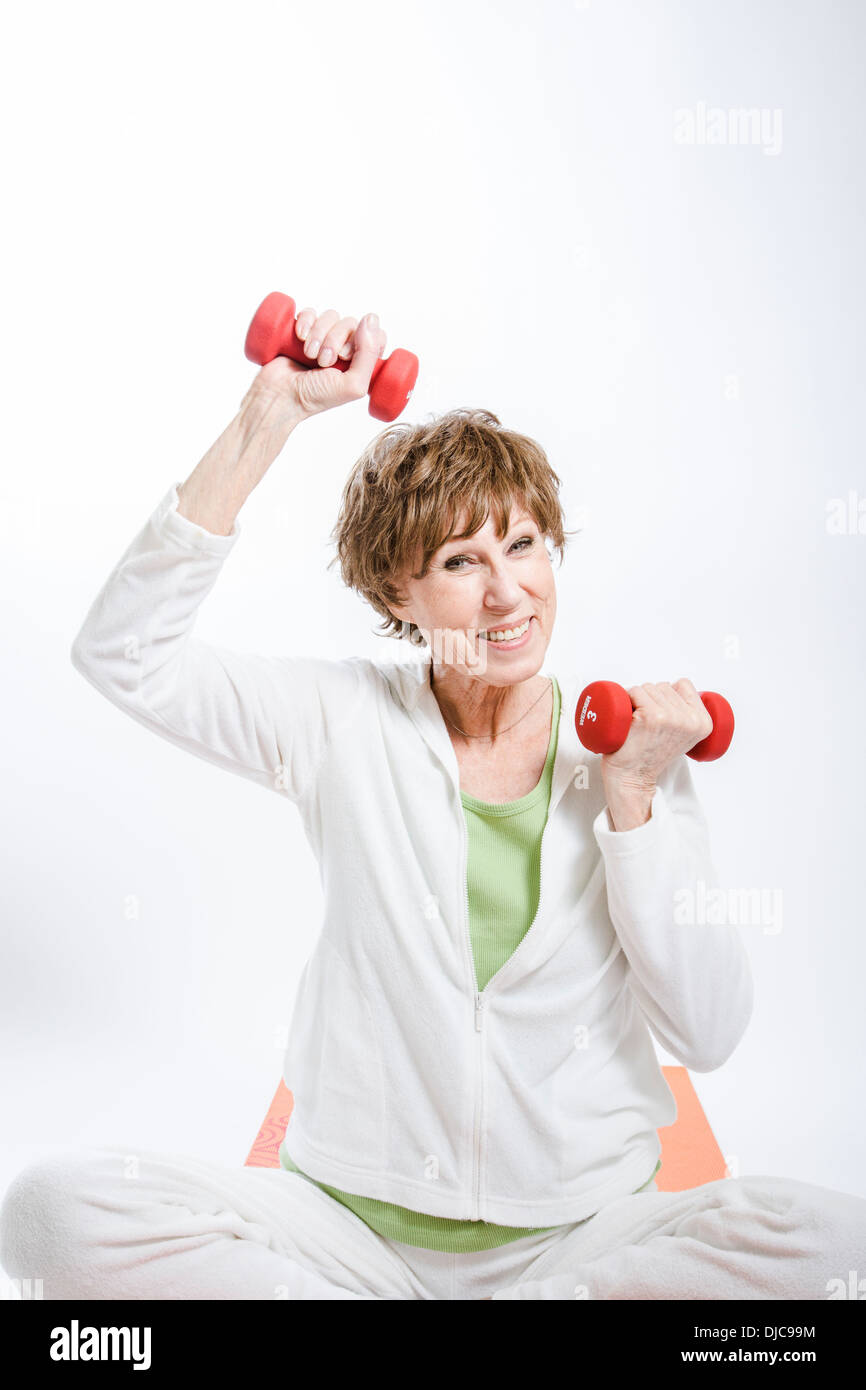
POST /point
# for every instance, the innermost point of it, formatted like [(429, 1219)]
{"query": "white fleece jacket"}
[(533, 1103)]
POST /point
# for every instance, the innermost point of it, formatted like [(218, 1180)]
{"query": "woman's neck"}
[(477, 710)]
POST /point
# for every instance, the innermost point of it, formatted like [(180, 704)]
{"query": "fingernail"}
[(372, 322), (327, 357), (302, 329), (346, 350), (312, 349)]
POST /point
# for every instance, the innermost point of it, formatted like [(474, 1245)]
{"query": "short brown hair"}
[(412, 482)]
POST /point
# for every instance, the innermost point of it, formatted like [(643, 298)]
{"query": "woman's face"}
[(484, 585)]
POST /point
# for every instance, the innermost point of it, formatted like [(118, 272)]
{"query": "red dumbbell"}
[(272, 334), (604, 713)]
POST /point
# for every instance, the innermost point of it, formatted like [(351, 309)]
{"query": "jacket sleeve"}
[(689, 971), (266, 718)]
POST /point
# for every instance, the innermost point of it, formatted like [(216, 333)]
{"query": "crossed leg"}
[(111, 1223), (756, 1237)]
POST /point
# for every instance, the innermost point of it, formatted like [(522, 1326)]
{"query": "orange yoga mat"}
[(690, 1155)]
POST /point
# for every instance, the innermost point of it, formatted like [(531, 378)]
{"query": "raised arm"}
[(266, 718), (282, 395)]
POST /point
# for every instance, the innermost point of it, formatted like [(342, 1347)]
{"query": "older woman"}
[(477, 1095)]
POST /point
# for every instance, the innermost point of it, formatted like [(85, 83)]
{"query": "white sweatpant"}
[(107, 1223)]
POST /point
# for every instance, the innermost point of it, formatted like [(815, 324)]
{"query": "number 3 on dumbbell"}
[(604, 714)]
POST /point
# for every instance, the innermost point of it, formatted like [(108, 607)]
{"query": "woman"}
[(477, 1096)]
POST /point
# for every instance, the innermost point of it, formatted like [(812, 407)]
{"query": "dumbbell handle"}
[(273, 333), (604, 714)]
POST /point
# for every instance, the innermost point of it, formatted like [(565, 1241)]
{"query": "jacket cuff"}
[(169, 521), (616, 843)]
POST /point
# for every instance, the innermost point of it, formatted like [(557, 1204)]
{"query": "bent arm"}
[(691, 977)]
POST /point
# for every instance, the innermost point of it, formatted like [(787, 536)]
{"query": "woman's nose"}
[(502, 588)]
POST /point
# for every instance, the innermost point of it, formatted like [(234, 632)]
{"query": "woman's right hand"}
[(305, 392)]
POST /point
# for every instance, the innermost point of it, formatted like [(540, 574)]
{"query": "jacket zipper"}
[(467, 939), (479, 996)]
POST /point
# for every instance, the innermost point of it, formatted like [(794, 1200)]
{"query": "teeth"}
[(506, 634)]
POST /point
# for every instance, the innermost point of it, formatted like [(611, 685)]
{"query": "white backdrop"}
[(537, 200)]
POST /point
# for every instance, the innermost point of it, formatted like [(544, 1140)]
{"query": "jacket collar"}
[(410, 682)]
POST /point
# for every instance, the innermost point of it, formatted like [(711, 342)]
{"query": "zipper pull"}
[(478, 1013)]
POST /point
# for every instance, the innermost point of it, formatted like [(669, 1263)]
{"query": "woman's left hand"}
[(668, 720)]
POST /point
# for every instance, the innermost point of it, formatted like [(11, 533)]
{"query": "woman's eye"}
[(456, 560)]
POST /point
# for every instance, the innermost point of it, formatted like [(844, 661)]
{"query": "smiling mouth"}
[(508, 634)]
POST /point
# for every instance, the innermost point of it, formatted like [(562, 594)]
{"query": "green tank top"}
[(504, 883)]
